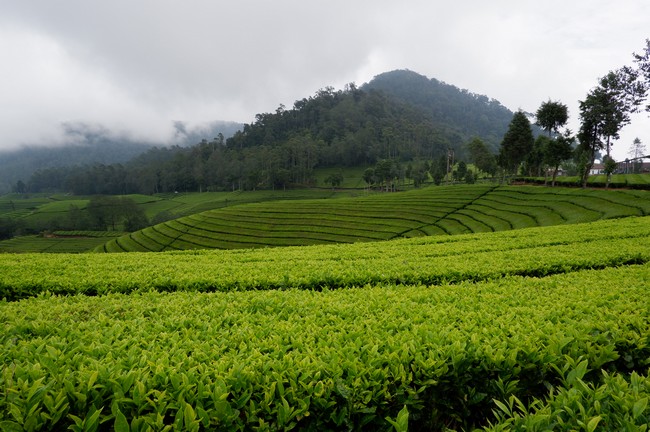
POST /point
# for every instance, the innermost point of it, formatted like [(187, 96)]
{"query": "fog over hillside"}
[(85, 144)]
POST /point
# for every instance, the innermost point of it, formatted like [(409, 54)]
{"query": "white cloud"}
[(137, 66)]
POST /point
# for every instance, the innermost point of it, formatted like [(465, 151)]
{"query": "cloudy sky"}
[(135, 66)]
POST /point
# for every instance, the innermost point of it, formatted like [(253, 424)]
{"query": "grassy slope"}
[(428, 211)]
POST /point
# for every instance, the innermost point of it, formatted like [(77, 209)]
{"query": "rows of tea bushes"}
[(40, 244), (630, 181), (303, 222), (430, 357), (429, 211), (429, 260), (17, 205)]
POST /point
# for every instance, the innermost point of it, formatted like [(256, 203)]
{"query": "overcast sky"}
[(134, 66)]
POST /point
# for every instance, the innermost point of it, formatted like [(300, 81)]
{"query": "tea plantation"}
[(428, 211), (542, 328)]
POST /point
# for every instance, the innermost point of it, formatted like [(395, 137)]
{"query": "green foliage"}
[(605, 111), (394, 117), (419, 173), (386, 172), (8, 228), (460, 172), (556, 151), (428, 211), (425, 260), (334, 179), (551, 116), (58, 242), (482, 157), (534, 161), (110, 212), (517, 143), (460, 114), (609, 167), (629, 181), (375, 357), (614, 402), (643, 67), (401, 423)]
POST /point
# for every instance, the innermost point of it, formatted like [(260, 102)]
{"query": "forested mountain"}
[(459, 111), (383, 120), (88, 145), (349, 127), (19, 165)]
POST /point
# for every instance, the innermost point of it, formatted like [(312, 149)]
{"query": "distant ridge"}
[(91, 145)]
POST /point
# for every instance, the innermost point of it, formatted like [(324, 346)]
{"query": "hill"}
[(423, 212), (465, 113), (399, 115), (87, 145)]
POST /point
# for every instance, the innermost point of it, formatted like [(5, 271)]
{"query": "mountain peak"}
[(470, 114)]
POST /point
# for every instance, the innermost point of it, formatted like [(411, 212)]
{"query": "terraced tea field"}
[(33, 212), (429, 211), (541, 328), (630, 181), (34, 243)]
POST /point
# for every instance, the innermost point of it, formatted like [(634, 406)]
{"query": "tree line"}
[(363, 127), (102, 213), (349, 127), (605, 110)]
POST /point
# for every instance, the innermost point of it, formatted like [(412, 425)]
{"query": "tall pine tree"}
[(517, 143)]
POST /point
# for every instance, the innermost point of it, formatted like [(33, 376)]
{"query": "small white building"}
[(597, 168)]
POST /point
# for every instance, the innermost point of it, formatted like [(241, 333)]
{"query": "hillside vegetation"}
[(427, 211), (524, 329), (467, 114), (399, 115), (44, 221)]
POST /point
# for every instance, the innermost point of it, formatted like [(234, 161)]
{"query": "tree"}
[(132, 215), (369, 176), (535, 158), (439, 169), (637, 153), (334, 179), (637, 149), (557, 151), (460, 172), (481, 156), (7, 228), (609, 167), (420, 174), (386, 171), (79, 219), (551, 116), (605, 111), (109, 211), (20, 187), (517, 143), (620, 93), (643, 68)]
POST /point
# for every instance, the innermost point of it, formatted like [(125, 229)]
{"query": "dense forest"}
[(87, 144), (349, 127), (466, 113)]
